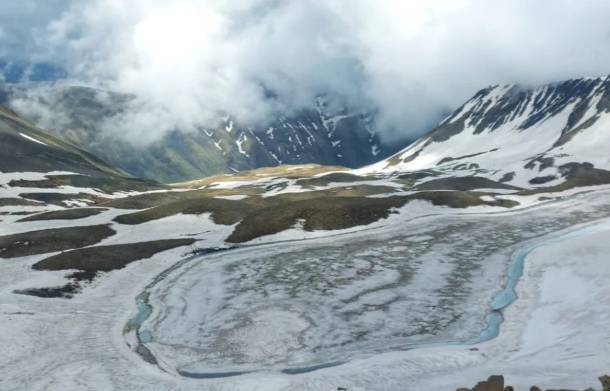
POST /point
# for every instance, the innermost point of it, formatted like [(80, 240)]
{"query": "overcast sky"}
[(190, 61)]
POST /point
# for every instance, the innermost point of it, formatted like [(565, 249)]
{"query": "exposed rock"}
[(509, 176), (494, 383)]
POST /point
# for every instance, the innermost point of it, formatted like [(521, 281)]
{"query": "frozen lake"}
[(297, 307), (398, 303)]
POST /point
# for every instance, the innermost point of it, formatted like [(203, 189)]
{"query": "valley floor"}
[(554, 335)]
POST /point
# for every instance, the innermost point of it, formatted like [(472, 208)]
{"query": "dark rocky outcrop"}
[(496, 383), (493, 383)]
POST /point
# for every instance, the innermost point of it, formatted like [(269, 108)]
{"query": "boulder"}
[(494, 383)]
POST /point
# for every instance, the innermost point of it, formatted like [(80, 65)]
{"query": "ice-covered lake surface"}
[(296, 307), (393, 304)]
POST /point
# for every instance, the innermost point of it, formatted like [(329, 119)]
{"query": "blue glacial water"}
[(508, 295)]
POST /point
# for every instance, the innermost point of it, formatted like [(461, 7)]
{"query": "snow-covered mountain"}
[(522, 136), (326, 133), (425, 257)]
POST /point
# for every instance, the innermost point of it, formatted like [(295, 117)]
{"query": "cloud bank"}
[(191, 62)]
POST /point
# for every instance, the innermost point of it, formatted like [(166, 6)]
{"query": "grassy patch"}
[(67, 214), (577, 175), (222, 211), (346, 191), (335, 177), (463, 184), (228, 212), (327, 213), (107, 258), (60, 198), (19, 213), (459, 199), (105, 184), (331, 213), (51, 240), (337, 208), (284, 171), (149, 200), (17, 202)]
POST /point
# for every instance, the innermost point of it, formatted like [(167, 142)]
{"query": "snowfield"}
[(408, 307)]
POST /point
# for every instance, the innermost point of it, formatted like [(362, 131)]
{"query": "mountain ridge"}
[(27, 149), (524, 136), (320, 134)]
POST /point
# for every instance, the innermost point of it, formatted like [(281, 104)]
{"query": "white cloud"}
[(21, 21), (191, 61)]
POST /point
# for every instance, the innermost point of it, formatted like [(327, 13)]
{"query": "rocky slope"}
[(554, 135), (322, 134), (25, 148)]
